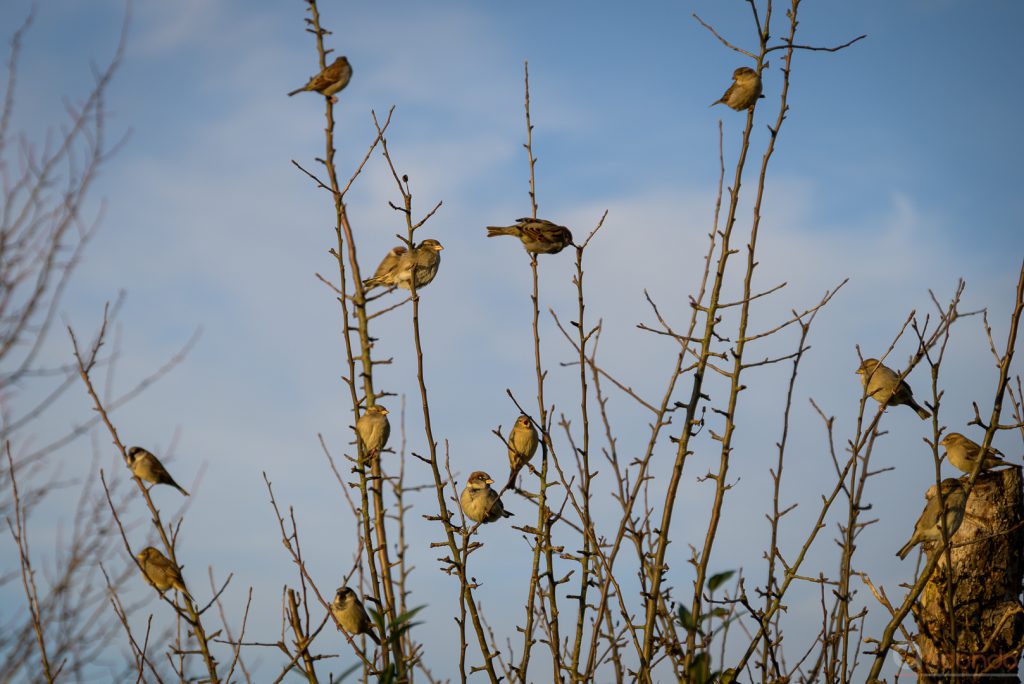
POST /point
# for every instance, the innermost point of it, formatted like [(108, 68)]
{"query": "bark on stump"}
[(986, 634)]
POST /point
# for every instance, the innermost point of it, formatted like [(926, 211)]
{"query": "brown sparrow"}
[(479, 502), (927, 528), (350, 614), (537, 235), (881, 383), (963, 453), (145, 466), (522, 445), (160, 572), (331, 80), (744, 91), (373, 429)]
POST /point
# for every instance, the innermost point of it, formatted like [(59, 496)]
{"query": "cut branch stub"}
[(988, 618)]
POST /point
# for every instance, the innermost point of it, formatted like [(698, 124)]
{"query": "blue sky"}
[(897, 167)]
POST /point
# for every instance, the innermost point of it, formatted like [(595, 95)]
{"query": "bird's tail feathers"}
[(921, 411), (494, 231), (905, 551), (296, 91)]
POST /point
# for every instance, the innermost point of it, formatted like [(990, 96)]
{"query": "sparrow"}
[(479, 502), (744, 91), (963, 453), (160, 572), (522, 445), (350, 614), (386, 268), (145, 466), (537, 235), (373, 429), (423, 261), (927, 528), (331, 80), (881, 384)]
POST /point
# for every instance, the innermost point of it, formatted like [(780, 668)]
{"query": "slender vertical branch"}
[(586, 475), (657, 566), (457, 557), (375, 536), (771, 583), (736, 386), (661, 420), (457, 560), (529, 141), (542, 539), (301, 639), (19, 534)]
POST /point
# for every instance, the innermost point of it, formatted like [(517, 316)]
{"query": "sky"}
[(897, 168)]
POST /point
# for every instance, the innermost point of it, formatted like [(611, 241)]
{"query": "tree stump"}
[(986, 633)]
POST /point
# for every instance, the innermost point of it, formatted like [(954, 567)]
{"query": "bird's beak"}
[(384, 410), (489, 481), (859, 371), (438, 248)]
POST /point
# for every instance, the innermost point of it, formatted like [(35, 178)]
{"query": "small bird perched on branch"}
[(744, 91), (350, 614), (399, 266), (884, 386), (330, 81), (160, 572), (145, 466), (928, 528), (963, 453), (522, 445), (537, 235), (373, 429), (479, 502)]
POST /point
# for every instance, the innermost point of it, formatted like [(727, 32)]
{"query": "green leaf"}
[(685, 618), (402, 624), (407, 616), (719, 579), (378, 620), (699, 670), (411, 612)]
